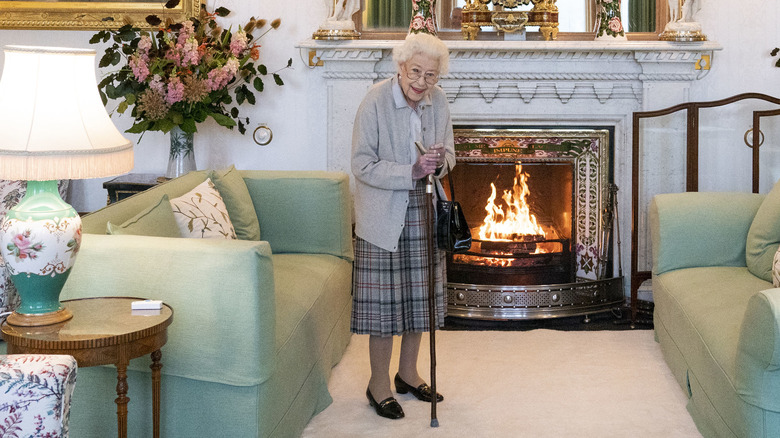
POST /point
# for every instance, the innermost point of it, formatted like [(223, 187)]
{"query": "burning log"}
[(525, 245)]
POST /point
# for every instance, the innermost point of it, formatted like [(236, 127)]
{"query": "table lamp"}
[(53, 126)]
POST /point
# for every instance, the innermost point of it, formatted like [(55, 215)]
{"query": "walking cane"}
[(431, 287)]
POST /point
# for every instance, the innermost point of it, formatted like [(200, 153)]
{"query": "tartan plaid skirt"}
[(390, 289)]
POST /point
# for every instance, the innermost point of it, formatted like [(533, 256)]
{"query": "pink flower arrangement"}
[(184, 73)]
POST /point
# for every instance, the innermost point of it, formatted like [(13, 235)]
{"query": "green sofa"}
[(257, 325), (717, 315)]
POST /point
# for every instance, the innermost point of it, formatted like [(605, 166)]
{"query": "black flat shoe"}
[(388, 408), (422, 392)]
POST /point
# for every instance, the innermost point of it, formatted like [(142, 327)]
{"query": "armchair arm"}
[(697, 229), (221, 292), (758, 351)]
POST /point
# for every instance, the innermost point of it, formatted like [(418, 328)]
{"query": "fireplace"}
[(525, 83), (538, 203)]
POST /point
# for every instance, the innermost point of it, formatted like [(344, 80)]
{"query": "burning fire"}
[(516, 223), (512, 224)]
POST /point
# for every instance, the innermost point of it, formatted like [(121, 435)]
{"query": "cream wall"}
[(746, 30)]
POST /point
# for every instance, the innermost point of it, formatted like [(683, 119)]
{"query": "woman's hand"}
[(438, 150), (426, 164), (430, 162)]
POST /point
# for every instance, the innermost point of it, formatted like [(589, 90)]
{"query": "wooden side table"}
[(128, 185), (102, 331)]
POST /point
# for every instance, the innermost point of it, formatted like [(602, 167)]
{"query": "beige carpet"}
[(536, 384)]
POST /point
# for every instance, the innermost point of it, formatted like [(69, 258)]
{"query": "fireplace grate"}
[(500, 302)]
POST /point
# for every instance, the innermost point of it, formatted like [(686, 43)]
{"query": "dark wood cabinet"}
[(127, 185)]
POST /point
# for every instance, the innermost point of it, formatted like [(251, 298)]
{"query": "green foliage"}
[(183, 73), (774, 53)]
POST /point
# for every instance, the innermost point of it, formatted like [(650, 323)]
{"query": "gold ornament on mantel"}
[(339, 25), (510, 4), (477, 14), (509, 21), (681, 27)]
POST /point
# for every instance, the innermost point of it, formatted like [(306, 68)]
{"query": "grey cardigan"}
[(380, 157)]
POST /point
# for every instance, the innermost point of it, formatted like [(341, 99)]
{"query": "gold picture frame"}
[(89, 15)]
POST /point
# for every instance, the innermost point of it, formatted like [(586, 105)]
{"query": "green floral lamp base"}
[(40, 238), (182, 155)]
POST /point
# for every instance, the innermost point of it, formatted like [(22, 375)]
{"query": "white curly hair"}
[(424, 44)]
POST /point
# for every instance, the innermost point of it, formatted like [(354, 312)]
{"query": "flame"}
[(517, 221)]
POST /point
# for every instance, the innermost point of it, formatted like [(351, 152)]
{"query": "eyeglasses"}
[(429, 77)]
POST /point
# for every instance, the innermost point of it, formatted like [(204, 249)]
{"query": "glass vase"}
[(608, 23), (181, 159), (423, 17)]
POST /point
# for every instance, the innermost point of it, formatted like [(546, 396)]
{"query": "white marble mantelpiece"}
[(519, 83), (516, 81)]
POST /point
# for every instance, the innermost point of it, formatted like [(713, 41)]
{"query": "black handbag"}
[(452, 231)]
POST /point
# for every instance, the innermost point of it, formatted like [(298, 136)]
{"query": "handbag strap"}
[(452, 186), (449, 178)]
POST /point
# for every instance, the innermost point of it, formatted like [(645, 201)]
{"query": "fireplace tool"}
[(609, 220), (429, 223)]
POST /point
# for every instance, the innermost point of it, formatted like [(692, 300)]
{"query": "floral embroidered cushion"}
[(240, 208), (35, 394), (157, 220), (201, 213)]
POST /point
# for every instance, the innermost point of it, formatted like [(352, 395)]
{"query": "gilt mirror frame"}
[(89, 15), (662, 17)]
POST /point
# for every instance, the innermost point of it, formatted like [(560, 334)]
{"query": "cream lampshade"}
[(53, 126)]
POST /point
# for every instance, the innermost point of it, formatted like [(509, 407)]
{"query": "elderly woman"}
[(390, 281)]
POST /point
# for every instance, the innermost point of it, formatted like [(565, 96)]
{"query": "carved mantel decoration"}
[(514, 83)]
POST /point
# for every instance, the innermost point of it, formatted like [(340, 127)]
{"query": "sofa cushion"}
[(312, 300), (309, 285), (201, 213), (705, 306), (764, 236), (718, 239), (303, 212), (232, 188), (156, 220), (699, 312)]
